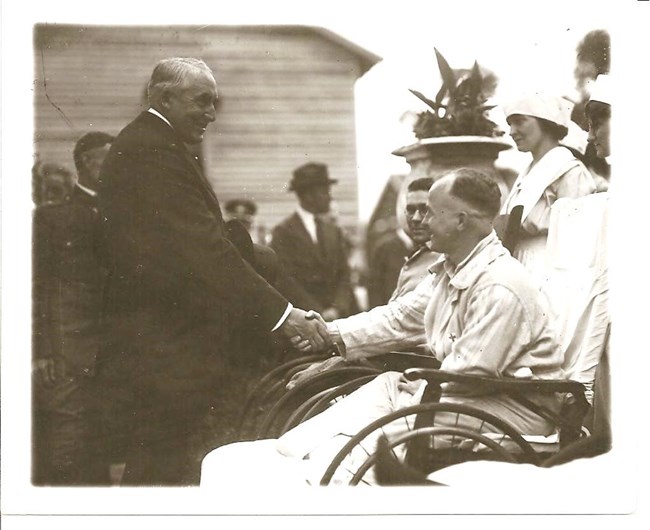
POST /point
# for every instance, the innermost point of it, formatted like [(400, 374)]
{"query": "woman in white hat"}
[(537, 124)]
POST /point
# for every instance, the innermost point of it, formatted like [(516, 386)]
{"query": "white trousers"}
[(302, 455)]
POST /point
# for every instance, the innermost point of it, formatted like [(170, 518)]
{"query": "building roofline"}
[(368, 59)]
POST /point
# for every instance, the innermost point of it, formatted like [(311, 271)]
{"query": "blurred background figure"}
[(68, 285), (592, 60), (313, 249), (401, 261), (244, 211), (51, 183)]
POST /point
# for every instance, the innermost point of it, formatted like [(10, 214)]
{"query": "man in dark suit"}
[(176, 282), (69, 280), (312, 249)]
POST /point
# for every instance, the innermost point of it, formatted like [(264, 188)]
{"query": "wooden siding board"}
[(287, 97)]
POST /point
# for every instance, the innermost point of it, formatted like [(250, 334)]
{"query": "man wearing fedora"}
[(312, 249)]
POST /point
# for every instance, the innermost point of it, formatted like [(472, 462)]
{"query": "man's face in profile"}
[(192, 106)]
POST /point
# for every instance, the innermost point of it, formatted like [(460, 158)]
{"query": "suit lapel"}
[(168, 135), (197, 170), (299, 228)]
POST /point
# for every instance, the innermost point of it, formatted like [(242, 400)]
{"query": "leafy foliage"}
[(460, 105)]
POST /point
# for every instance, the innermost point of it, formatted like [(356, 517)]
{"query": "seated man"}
[(479, 313), (400, 263), (414, 268)]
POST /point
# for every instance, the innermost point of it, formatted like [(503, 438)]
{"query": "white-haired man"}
[(176, 282)]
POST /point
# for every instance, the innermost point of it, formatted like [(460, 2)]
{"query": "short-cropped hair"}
[(89, 141), (171, 73), (421, 184), (476, 188)]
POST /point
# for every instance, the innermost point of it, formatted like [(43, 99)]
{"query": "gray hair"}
[(171, 73)]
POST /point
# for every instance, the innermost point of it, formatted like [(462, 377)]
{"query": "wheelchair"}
[(417, 444)]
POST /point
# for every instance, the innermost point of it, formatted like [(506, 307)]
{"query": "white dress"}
[(557, 174)]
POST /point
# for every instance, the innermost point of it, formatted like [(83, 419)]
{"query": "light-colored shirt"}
[(289, 305), (309, 221), (415, 269), (483, 316)]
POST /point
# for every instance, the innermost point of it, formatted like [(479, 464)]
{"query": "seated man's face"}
[(416, 209)]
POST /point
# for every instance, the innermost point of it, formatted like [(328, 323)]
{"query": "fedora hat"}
[(310, 174)]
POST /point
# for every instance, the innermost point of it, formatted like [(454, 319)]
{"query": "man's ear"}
[(165, 99), (463, 220)]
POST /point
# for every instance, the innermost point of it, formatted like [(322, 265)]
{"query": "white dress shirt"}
[(309, 220)]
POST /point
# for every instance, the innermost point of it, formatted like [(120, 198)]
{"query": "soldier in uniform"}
[(68, 281)]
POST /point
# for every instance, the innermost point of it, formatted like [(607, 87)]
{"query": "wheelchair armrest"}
[(399, 361), (499, 384)]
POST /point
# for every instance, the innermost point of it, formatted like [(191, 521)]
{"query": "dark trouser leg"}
[(161, 449), (66, 428)]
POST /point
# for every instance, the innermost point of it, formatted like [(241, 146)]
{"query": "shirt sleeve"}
[(398, 324)]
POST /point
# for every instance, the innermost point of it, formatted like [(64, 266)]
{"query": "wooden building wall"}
[(287, 97)]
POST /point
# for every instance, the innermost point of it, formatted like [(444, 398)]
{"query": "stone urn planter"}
[(431, 157)]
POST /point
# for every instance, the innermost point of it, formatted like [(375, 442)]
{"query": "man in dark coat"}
[(69, 280), (176, 282), (312, 249)]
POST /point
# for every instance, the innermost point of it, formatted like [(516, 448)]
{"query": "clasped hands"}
[(307, 331)]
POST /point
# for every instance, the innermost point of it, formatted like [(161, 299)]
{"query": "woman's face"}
[(599, 129), (525, 131)]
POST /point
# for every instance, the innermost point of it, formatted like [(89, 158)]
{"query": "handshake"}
[(307, 331)]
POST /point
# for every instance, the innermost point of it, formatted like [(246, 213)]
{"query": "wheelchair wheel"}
[(428, 433), (268, 388), (425, 455), (294, 398), (322, 400)]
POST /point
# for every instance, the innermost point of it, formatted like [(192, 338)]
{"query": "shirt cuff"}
[(337, 340), (283, 317)]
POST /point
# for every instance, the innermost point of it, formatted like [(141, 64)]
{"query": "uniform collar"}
[(467, 271)]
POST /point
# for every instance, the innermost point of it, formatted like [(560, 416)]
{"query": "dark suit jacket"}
[(176, 282), (317, 281), (384, 266), (68, 278)]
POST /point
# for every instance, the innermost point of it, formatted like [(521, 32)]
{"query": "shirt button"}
[(68, 243)]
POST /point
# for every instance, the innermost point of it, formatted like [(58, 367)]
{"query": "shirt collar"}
[(466, 272), (305, 215), (90, 192), (156, 113)]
